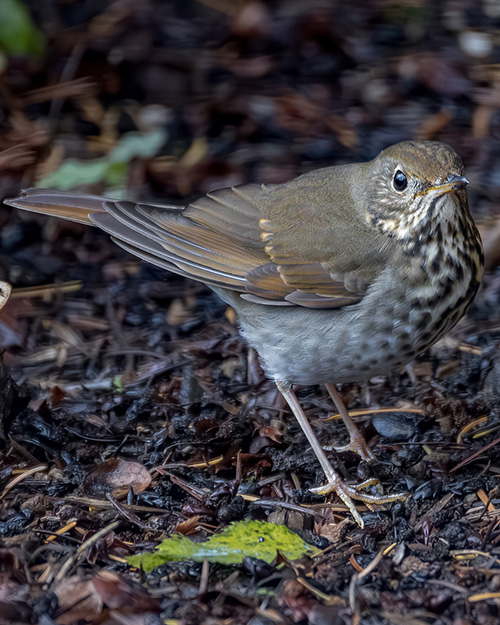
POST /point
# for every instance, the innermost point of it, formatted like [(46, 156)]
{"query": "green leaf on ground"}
[(111, 169), (74, 172), (135, 144), (257, 539), (18, 34)]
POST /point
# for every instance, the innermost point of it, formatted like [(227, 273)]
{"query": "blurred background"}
[(230, 91)]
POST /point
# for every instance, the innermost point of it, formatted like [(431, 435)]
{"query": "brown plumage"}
[(338, 275)]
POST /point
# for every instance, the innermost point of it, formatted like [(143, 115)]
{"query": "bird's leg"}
[(334, 483), (357, 443)]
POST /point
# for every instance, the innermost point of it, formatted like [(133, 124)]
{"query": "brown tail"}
[(73, 206)]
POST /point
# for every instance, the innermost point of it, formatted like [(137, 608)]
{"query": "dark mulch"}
[(126, 375)]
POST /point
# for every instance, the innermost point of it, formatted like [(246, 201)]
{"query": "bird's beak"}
[(452, 183)]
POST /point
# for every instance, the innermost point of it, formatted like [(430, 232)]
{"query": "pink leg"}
[(357, 443), (334, 483)]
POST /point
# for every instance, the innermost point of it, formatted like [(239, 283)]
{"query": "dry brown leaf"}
[(78, 600), (116, 474)]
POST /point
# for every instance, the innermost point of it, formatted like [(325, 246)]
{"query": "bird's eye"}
[(399, 182)]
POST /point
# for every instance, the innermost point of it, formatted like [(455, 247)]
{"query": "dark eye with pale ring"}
[(399, 182)]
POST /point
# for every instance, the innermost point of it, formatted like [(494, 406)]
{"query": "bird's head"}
[(413, 184)]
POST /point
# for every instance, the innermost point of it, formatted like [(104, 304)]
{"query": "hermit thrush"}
[(339, 275)]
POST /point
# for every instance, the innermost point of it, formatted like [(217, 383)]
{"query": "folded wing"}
[(224, 239)]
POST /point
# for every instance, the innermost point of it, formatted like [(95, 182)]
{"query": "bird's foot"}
[(350, 493), (357, 445), (334, 484)]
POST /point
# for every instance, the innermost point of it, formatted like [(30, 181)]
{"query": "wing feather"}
[(251, 239)]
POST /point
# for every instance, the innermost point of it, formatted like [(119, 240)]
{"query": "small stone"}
[(475, 44), (326, 615), (494, 584), (394, 426), (491, 8)]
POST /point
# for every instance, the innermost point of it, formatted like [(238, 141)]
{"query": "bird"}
[(338, 275)]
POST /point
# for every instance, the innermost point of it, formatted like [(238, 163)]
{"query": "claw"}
[(357, 445), (334, 483), (349, 493)]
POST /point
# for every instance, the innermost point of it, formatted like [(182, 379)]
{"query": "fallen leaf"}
[(256, 539), (77, 600), (116, 474)]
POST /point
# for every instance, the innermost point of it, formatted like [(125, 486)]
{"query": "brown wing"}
[(224, 239)]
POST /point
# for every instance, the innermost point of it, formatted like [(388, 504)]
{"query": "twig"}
[(475, 455), (83, 548)]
